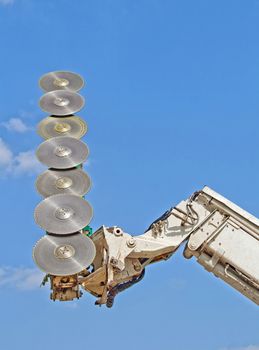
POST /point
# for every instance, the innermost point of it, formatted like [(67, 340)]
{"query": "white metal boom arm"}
[(223, 237)]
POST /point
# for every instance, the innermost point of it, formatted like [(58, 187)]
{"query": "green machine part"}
[(88, 231)]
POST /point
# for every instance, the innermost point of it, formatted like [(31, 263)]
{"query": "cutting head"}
[(67, 126), (61, 102), (63, 214), (61, 80), (62, 152), (74, 181), (63, 256)]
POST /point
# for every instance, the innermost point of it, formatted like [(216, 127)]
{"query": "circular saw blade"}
[(74, 181), (62, 152), (67, 126), (63, 214), (63, 256), (61, 80), (61, 102)]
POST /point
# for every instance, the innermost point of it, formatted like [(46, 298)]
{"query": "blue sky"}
[(172, 104)]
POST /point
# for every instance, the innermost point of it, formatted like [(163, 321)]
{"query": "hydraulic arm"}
[(221, 236)]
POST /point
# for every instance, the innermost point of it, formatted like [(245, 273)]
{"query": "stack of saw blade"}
[(64, 213)]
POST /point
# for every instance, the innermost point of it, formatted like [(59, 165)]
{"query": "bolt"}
[(137, 268), (131, 242), (114, 261), (192, 246)]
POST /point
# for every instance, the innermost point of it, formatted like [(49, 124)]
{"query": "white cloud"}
[(22, 278), (6, 155), (24, 163), (15, 124)]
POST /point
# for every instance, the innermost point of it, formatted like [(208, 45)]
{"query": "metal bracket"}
[(206, 229), (212, 262)]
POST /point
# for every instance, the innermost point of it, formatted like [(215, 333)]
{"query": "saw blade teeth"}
[(66, 126), (61, 102), (62, 152), (74, 181), (61, 80), (63, 214), (63, 256)]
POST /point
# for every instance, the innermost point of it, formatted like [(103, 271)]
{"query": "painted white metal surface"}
[(221, 236), (231, 206), (240, 250), (229, 247)]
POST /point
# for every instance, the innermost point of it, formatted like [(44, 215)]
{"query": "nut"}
[(114, 261), (137, 268), (131, 242), (192, 245)]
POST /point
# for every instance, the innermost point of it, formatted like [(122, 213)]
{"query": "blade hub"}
[(64, 213), (62, 127), (61, 82), (62, 151), (64, 251), (64, 182), (61, 101)]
